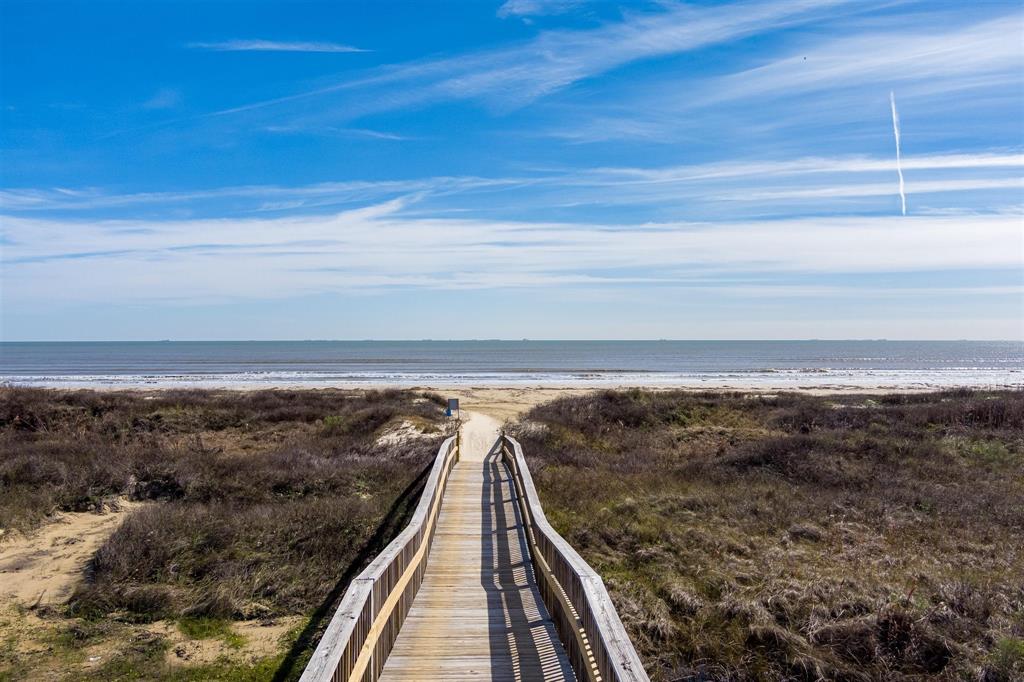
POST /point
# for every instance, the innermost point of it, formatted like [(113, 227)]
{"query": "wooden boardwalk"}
[(478, 614)]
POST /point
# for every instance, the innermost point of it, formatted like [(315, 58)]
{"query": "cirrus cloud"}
[(258, 45)]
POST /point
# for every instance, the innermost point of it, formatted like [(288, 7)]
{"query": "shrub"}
[(257, 509), (793, 536)]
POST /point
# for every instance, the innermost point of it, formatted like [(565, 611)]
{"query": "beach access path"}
[(478, 614)]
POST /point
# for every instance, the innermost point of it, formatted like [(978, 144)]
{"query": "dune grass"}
[(749, 537), (259, 503)]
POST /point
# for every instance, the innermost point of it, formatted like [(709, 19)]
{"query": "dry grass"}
[(796, 537), (264, 501)]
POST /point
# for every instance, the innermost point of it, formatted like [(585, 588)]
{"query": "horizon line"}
[(515, 340)]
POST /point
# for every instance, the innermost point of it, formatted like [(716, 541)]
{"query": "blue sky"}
[(529, 168)]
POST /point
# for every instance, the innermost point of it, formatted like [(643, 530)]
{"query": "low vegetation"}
[(260, 505), (747, 537)]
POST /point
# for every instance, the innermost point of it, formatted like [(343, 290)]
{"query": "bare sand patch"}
[(253, 640), (506, 403), (42, 568), (402, 430), (40, 645), (510, 402), (479, 431), (38, 573)]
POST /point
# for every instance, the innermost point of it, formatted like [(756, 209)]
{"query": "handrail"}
[(364, 628), (584, 615)]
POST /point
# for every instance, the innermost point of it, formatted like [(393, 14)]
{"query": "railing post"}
[(373, 652)]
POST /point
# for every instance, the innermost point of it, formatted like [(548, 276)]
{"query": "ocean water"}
[(768, 364)]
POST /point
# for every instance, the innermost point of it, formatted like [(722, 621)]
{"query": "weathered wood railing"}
[(587, 623), (364, 628)]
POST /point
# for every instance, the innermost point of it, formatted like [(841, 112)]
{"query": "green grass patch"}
[(204, 628), (141, 659), (334, 424), (988, 452), (211, 628), (1007, 657), (260, 671), (11, 666)]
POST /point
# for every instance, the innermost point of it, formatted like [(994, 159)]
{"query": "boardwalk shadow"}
[(523, 642)]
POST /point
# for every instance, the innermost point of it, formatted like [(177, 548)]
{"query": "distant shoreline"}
[(554, 386)]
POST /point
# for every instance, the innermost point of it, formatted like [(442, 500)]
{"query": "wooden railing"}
[(587, 623), (364, 628)]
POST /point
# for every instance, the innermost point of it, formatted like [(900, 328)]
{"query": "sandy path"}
[(510, 403), (478, 433), (503, 404), (44, 567)]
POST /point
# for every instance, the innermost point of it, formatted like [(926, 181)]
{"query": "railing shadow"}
[(394, 521), (522, 636), (595, 639), (498, 645)]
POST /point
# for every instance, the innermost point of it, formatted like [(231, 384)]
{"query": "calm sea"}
[(689, 363)]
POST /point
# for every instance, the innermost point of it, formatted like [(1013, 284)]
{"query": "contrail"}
[(899, 160)]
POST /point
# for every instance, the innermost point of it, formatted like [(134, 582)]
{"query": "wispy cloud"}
[(534, 8), (257, 45), (812, 81), (807, 185), (337, 131), (164, 98), (252, 197), (709, 188), (810, 165), (378, 247), (514, 76), (939, 60), (878, 189)]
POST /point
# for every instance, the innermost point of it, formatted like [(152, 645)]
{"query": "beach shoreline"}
[(518, 365), (864, 384)]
